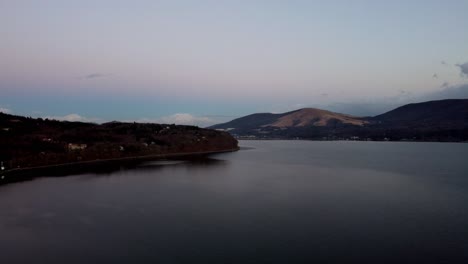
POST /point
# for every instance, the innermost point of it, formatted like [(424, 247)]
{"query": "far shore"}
[(63, 169)]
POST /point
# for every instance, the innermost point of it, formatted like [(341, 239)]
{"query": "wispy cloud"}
[(5, 110), (449, 92), (381, 105), (94, 76), (75, 118), (463, 68)]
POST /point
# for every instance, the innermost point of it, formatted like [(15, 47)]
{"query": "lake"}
[(270, 202)]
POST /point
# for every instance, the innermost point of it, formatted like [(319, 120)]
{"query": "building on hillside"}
[(72, 146)]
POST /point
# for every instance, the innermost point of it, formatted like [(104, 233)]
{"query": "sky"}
[(203, 62)]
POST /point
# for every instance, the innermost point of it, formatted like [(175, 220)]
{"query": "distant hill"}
[(251, 121), (451, 113), (299, 118), (315, 117), (444, 120)]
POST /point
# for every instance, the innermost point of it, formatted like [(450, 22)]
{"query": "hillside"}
[(452, 113), (444, 120), (28, 142), (251, 121), (299, 118), (315, 117)]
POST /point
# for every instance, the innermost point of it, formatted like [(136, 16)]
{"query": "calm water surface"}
[(271, 202)]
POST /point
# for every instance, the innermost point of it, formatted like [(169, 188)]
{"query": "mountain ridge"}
[(314, 116), (438, 120)]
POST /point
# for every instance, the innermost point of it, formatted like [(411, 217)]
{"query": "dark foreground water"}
[(280, 202)]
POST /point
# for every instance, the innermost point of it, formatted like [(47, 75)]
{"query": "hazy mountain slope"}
[(449, 113), (251, 121), (299, 118), (315, 117)]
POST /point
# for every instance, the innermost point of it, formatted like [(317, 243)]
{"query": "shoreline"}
[(99, 165), (344, 140)]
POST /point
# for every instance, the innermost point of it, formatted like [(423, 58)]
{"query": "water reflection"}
[(192, 163), (281, 202), (110, 169)]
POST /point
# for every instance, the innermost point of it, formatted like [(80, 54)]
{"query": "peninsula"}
[(30, 143)]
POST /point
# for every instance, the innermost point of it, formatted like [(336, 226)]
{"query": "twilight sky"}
[(202, 62)]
